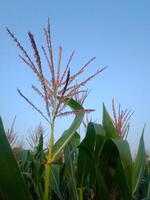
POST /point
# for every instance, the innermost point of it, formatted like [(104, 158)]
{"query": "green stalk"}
[(47, 189), (81, 193)]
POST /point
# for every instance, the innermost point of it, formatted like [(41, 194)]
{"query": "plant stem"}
[(47, 190), (81, 193)]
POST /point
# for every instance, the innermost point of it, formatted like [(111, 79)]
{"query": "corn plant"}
[(11, 135), (56, 93), (99, 166), (121, 120)]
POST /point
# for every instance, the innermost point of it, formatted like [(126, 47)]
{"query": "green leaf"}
[(86, 156), (100, 137), (12, 185), (67, 135), (70, 162), (144, 187), (32, 167), (88, 171), (39, 147), (139, 165), (103, 193), (108, 125), (116, 164), (55, 180), (89, 151)]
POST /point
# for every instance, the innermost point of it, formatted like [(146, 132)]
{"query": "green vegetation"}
[(97, 167)]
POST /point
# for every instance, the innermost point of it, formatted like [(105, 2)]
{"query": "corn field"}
[(96, 167)]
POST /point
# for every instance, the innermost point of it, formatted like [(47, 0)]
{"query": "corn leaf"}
[(116, 165), (108, 125), (55, 182), (139, 165), (89, 151), (67, 135), (70, 162), (100, 137), (103, 193), (85, 158), (12, 185)]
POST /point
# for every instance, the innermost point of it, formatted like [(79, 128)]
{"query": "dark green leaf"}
[(55, 181), (108, 125), (70, 162), (86, 150), (12, 186), (67, 135), (116, 164), (139, 165)]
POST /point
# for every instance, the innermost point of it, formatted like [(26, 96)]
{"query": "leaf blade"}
[(68, 134), (12, 185), (138, 168)]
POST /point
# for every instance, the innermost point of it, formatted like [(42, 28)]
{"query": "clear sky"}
[(116, 32)]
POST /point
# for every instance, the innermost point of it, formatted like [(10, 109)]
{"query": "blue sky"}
[(116, 32)]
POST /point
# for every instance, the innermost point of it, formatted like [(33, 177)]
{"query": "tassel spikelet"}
[(75, 112), (121, 120), (60, 86)]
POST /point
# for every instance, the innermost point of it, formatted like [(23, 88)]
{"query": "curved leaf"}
[(100, 137), (12, 185), (55, 181), (103, 193), (116, 164), (139, 165), (108, 125), (67, 135), (85, 162), (89, 151), (70, 161)]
